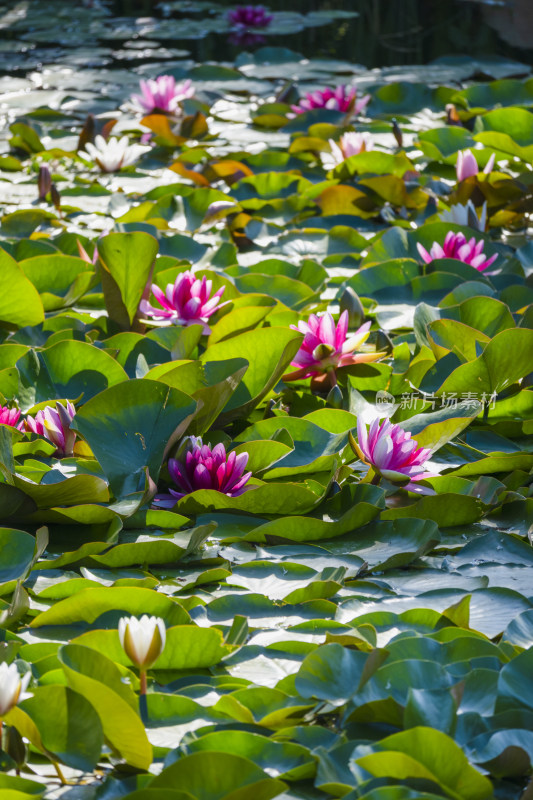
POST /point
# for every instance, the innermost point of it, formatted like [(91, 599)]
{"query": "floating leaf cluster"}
[(313, 627)]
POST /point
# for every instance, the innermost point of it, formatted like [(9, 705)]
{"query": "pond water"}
[(374, 33)]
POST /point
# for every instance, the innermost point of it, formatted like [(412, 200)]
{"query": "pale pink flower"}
[(326, 347), (54, 424), (350, 144), (391, 452), (341, 98), (467, 165), (456, 246), (187, 301), (162, 94)]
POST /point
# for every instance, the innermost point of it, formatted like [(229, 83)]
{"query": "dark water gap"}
[(386, 33)]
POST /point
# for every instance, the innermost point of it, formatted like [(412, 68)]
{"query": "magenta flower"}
[(326, 347), (54, 424), (10, 417), (250, 17), (206, 468), (391, 453), (456, 246), (162, 94), (187, 301), (342, 98), (467, 165)]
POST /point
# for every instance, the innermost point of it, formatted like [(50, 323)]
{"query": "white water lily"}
[(12, 687), (143, 639), (466, 215), (114, 154)]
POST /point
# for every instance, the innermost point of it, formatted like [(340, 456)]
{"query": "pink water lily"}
[(350, 144), (326, 347), (54, 424), (187, 301), (391, 453), (456, 246), (341, 98), (162, 94), (10, 417), (206, 468), (467, 165), (250, 17)]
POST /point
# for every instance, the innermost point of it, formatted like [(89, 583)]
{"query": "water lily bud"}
[(335, 397), (87, 133), (44, 182), (12, 687), (398, 135), (383, 342), (14, 746), (288, 93), (351, 303), (143, 639), (55, 196)]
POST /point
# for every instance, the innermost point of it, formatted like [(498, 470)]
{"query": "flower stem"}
[(143, 700), (59, 773), (376, 479), (332, 378)]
